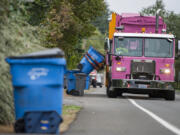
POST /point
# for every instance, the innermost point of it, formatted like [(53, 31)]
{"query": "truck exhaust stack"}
[(157, 20)]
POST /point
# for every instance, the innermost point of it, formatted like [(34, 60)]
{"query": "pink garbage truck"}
[(139, 57)]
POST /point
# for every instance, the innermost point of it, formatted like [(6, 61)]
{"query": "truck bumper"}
[(136, 86)]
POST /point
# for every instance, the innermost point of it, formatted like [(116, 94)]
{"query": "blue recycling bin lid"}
[(39, 57), (50, 53)]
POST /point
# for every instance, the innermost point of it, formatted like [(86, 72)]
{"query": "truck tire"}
[(111, 94), (152, 95), (120, 94), (170, 95)]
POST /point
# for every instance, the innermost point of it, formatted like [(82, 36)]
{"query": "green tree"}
[(37, 10), (151, 10), (17, 37), (102, 22), (96, 40), (68, 22)]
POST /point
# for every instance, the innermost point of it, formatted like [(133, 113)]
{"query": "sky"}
[(135, 6)]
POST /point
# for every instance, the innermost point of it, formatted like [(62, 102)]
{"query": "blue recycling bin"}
[(91, 60), (37, 80), (87, 82), (71, 79)]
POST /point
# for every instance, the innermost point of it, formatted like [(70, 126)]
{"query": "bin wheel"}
[(19, 126), (67, 92), (111, 94), (170, 95)]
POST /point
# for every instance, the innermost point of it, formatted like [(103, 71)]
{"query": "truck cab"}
[(139, 60)]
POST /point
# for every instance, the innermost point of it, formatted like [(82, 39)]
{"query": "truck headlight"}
[(165, 71), (121, 69)]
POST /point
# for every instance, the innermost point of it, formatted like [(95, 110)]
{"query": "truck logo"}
[(36, 73)]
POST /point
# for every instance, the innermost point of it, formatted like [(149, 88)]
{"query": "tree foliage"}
[(66, 22), (102, 22), (37, 11), (151, 10), (96, 40), (17, 37)]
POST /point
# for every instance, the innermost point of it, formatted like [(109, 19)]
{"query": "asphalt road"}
[(130, 115)]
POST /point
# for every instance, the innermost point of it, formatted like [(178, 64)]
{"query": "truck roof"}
[(144, 35), (134, 23)]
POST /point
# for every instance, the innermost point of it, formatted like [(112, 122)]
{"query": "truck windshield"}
[(153, 47), (128, 46), (158, 48)]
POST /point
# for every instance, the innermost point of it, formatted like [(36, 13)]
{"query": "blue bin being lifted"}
[(92, 60), (37, 80)]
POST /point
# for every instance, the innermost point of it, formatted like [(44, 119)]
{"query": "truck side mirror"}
[(107, 45)]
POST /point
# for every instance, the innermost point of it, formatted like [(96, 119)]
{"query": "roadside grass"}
[(16, 39), (68, 109), (6, 129), (69, 115)]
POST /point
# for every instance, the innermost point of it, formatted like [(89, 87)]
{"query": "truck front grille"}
[(142, 69)]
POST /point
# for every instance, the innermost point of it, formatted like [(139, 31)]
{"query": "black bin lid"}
[(50, 53)]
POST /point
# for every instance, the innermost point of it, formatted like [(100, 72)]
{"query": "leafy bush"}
[(17, 37)]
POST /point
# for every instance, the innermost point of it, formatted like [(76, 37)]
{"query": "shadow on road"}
[(141, 97), (92, 95), (126, 95)]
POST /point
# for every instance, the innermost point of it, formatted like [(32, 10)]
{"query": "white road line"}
[(167, 125)]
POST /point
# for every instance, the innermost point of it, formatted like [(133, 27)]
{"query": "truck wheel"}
[(170, 95), (120, 94), (152, 95), (111, 94)]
